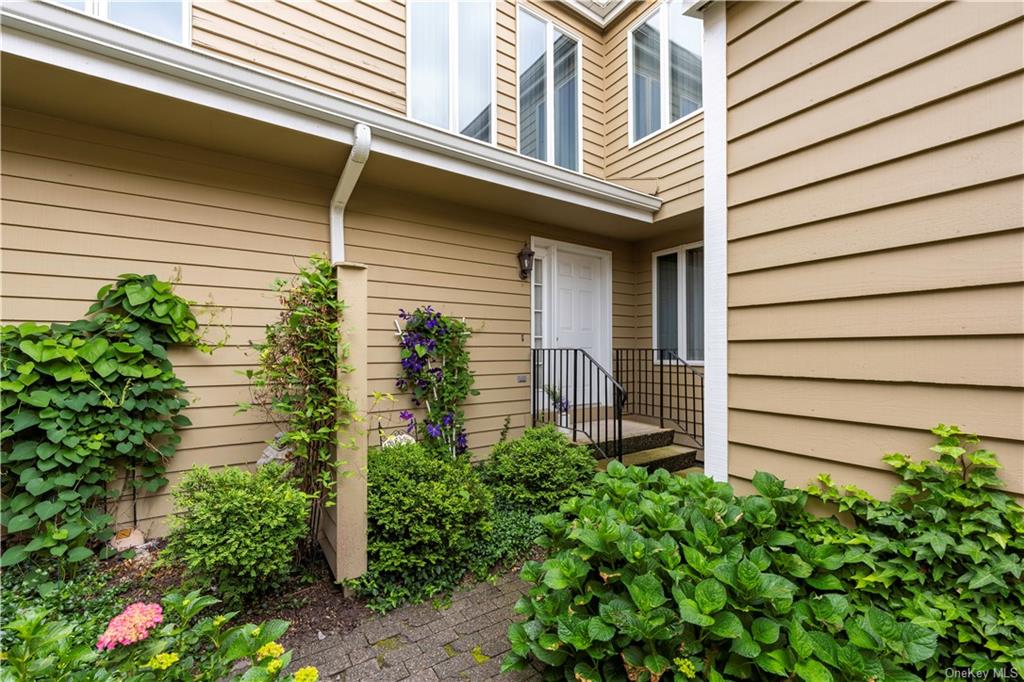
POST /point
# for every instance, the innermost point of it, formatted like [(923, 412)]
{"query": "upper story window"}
[(550, 122), (451, 65), (679, 301), (167, 19), (664, 70)]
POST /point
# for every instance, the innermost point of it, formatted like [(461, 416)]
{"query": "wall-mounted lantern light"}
[(525, 262)]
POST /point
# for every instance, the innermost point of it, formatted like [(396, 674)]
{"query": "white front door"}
[(572, 309), (578, 303)]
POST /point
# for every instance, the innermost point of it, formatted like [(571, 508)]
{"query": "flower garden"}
[(632, 575)]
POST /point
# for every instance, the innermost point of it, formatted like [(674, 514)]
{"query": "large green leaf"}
[(727, 625), (21, 522), (765, 630), (647, 592), (813, 671), (710, 596)]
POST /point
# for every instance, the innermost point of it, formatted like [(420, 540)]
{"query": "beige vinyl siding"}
[(505, 74), (82, 205), (669, 164), (592, 51), (462, 261), (876, 234), (354, 49)]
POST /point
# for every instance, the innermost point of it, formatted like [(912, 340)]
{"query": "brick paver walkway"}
[(465, 641)]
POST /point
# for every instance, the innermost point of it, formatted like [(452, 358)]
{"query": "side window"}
[(679, 301), (664, 70), (167, 19), (549, 92), (451, 65)]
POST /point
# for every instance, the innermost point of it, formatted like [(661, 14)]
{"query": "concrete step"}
[(669, 457), (636, 436)]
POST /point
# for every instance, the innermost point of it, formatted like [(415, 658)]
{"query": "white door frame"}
[(548, 249)]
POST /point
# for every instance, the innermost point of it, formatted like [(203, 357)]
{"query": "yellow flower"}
[(269, 650), (686, 667), (307, 674), (274, 665), (256, 632), (219, 620), (162, 661)]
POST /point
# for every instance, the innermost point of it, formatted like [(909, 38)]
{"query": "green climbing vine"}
[(82, 404), (296, 383)]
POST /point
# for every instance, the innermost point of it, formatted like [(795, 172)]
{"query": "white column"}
[(716, 373)]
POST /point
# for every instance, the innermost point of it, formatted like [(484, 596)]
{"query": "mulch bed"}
[(313, 603)]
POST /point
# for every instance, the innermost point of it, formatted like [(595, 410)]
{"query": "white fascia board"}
[(74, 41), (596, 18)]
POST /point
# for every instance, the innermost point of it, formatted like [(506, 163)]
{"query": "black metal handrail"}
[(572, 390), (663, 386)]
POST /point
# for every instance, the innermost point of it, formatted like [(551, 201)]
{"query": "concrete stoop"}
[(673, 458)]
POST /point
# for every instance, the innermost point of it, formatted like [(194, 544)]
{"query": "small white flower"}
[(397, 439)]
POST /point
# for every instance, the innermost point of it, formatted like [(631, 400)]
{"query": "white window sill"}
[(661, 131)]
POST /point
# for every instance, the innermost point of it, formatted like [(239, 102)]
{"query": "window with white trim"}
[(451, 65), (664, 70), (549, 92), (167, 19), (678, 301)]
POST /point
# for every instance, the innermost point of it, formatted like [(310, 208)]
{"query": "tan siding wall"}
[(505, 74), (876, 251), (463, 262), (82, 205), (355, 49), (671, 163)]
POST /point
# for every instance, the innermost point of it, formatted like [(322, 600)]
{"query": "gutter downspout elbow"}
[(343, 191)]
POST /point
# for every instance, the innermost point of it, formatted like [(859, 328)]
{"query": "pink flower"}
[(131, 625)]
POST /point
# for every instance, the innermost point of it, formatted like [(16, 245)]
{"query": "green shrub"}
[(183, 645), (538, 470), (652, 576), (236, 528), (945, 551), (426, 514), (513, 534)]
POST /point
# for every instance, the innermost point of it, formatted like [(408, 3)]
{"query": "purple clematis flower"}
[(433, 430), (448, 419), (405, 415)]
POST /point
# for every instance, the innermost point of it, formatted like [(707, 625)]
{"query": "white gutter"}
[(343, 191), (67, 39)]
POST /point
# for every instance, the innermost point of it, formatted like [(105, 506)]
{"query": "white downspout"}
[(346, 183)]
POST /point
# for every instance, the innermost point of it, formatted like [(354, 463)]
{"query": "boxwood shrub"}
[(237, 529), (651, 576), (426, 514), (539, 470)]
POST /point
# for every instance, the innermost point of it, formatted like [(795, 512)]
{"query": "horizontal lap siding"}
[(82, 205), (876, 234), (505, 74), (463, 262), (673, 160), (355, 49)]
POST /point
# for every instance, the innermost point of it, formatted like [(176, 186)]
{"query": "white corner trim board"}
[(71, 40), (357, 157), (716, 369)]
